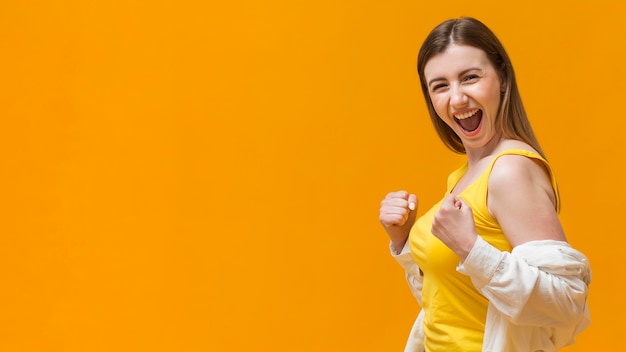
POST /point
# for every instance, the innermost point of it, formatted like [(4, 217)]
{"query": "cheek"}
[(441, 108), (489, 95), (496, 99), (440, 105)]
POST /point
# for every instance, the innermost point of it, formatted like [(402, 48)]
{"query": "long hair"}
[(511, 120)]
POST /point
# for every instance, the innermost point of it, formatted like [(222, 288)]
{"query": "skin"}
[(461, 80), (397, 215)]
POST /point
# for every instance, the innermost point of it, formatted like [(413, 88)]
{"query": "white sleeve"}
[(415, 342), (411, 270), (542, 283)]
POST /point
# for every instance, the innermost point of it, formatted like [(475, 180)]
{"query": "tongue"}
[(471, 123)]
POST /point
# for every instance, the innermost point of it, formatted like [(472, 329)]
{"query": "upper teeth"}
[(466, 114)]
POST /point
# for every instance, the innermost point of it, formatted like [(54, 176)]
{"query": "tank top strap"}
[(532, 155)]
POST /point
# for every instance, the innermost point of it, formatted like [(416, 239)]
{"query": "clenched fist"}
[(397, 215), (454, 226)]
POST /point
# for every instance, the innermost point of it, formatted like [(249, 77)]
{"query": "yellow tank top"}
[(455, 311)]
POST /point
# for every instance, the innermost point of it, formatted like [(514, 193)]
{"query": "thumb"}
[(412, 202), (460, 204)]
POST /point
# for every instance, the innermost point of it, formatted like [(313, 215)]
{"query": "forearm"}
[(398, 236)]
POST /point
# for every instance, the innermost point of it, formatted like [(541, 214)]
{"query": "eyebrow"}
[(460, 74)]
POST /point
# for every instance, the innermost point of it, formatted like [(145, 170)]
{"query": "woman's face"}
[(465, 91)]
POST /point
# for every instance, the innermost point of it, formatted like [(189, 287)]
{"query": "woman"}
[(489, 263)]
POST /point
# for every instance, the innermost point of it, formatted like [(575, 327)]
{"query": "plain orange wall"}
[(189, 176)]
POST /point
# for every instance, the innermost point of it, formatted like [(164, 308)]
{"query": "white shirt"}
[(537, 294)]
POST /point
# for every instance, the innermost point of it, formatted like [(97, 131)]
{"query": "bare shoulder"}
[(514, 169), (519, 173), (520, 189)]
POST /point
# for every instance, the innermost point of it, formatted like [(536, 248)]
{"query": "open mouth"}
[(469, 121)]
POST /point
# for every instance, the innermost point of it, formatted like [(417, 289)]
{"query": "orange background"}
[(190, 176)]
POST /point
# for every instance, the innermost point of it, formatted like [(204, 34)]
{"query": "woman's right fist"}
[(396, 209), (397, 215)]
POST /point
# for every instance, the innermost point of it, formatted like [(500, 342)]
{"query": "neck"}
[(475, 155)]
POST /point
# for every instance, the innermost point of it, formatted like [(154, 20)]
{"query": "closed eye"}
[(470, 78), (438, 87)]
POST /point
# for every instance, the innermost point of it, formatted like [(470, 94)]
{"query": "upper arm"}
[(521, 198)]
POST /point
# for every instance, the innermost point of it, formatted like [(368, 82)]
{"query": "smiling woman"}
[(464, 84), (489, 263)]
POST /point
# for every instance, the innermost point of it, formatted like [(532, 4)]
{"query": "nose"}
[(458, 99)]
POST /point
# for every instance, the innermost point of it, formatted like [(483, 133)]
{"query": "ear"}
[(502, 77)]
